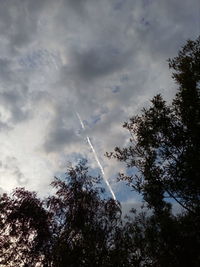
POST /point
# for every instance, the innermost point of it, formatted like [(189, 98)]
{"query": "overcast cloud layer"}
[(104, 59)]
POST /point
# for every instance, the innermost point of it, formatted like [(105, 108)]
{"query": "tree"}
[(164, 156), (24, 229), (165, 141), (74, 227), (85, 223)]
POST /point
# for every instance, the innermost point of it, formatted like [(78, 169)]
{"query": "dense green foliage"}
[(77, 226)]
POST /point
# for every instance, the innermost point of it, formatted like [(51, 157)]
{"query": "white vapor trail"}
[(96, 158)]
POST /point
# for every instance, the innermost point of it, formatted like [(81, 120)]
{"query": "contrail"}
[(96, 158)]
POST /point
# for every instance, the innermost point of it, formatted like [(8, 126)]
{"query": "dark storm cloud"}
[(77, 5), (19, 22), (165, 25), (14, 101), (14, 93), (58, 139), (5, 65), (18, 27), (98, 61), (61, 133)]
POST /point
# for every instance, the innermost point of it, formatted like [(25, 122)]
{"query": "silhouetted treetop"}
[(165, 140)]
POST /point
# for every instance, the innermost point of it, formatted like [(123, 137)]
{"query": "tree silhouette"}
[(73, 227), (24, 229), (165, 140), (164, 154), (85, 223)]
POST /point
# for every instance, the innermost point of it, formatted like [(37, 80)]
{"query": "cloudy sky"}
[(101, 58)]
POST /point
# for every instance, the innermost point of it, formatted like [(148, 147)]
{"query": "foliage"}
[(164, 152), (24, 229), (85, 223), (74, 227), (165, 140)]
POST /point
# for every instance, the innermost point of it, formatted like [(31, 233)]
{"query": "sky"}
[(103, 59)]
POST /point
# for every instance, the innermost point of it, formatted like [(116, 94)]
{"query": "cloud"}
[(59, 138), (104, 59), (98, 62), (15, 102), (9, 168)]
